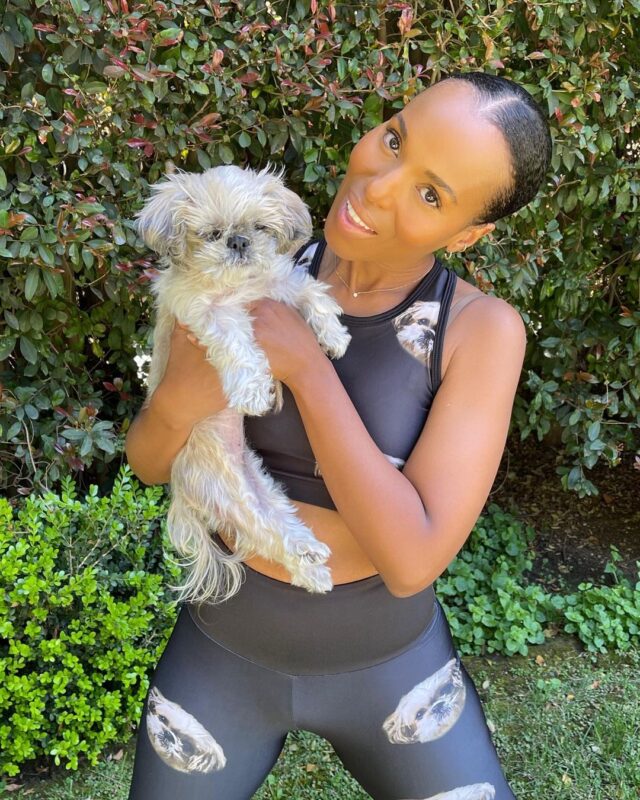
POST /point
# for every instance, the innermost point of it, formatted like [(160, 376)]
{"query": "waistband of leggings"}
[(288, 629)]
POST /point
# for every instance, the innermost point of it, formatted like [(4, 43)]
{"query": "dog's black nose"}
[(238, 243)]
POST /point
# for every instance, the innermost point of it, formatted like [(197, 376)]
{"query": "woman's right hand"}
[(190, 389)]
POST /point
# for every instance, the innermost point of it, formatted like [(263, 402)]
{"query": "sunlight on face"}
[(419, 179)]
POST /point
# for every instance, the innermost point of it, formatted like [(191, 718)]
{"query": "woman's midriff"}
[(347, 562)]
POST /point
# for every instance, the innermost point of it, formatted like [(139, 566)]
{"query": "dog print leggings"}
[(375, 675)]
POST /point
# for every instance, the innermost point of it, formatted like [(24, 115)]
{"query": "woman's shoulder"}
[(471, 314)]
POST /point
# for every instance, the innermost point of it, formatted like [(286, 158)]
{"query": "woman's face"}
[(419, 180)]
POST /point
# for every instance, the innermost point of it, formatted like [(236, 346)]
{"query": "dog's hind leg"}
[(211, 571), (291, 542)]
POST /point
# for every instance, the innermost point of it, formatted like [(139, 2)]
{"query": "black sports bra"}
[(391, 371)]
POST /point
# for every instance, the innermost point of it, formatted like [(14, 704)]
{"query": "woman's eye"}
[(394, 139), (430, 196)]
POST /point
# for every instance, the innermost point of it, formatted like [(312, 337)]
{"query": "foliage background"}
[(86, 611), (97, 97)]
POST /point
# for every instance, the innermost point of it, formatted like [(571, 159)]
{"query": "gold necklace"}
[(369, 291)]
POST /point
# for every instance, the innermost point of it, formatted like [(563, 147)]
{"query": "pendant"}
[(355, 294)]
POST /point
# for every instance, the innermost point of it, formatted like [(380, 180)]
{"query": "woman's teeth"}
[(353, 216)]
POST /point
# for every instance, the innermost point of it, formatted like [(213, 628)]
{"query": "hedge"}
[(98, 97), (85, 613)]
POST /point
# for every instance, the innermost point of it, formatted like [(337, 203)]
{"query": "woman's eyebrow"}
[(431, 175)]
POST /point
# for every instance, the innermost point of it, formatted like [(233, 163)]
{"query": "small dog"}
[(227, 237)]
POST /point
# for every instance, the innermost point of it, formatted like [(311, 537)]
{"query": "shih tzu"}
[(226, 237)]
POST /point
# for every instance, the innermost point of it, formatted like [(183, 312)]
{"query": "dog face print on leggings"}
[(415, 329), (179, 739), (474, 791), (429, 709)]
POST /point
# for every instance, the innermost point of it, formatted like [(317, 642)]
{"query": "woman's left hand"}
[(285, 337)]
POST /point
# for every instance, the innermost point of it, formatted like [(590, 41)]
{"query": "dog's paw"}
[(254, 400), (312, 552), (313, 578), (306, 550), (335, 341)]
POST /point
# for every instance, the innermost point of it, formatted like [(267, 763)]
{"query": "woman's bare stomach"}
[(347, 562)]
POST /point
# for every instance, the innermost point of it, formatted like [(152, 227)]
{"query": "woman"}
[(389, 455)]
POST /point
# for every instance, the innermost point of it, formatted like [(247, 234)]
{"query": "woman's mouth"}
[(353, 221)]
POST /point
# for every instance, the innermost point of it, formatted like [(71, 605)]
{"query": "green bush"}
[(605, 617), (84, 617), (493, 605), (99, 96), (85, 612)]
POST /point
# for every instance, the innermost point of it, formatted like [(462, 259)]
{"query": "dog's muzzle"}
[(238, 244)]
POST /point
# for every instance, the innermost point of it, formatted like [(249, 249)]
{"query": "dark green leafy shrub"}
[(492, 606), (97, 97), (488, 607), (85, 612), (84, 616), (604, 617)]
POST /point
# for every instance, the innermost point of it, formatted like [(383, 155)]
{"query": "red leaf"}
[(249, 77)]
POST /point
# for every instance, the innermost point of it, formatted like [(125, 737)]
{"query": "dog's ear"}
[(294, 226), (160, 222)]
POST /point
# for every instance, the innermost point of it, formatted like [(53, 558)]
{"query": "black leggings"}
[(376, 675)]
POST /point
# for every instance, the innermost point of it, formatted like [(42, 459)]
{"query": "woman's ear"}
[(469, 236)]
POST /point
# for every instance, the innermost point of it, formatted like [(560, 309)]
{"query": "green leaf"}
[(226, 154), (28, 350), (31, 282), (200, 87), (7, 50), (6, 348), (95, 87), (310, 174), (46, 255)]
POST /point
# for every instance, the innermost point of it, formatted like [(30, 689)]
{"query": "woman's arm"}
[(411, 524), (190, 390)]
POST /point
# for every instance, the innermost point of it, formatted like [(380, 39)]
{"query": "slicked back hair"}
[(515, 113)]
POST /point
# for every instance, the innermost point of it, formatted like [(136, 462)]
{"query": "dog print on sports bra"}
[(473, 791), (179, 739), (416, 329), (430, 709)]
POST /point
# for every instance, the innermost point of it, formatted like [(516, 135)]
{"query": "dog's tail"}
[(213, 574)]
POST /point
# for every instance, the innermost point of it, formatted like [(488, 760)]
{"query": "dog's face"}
[(179, 739), (429, 709), (223, 221), (472, 791), (416, 329)]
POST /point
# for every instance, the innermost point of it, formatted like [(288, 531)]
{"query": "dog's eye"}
[(261, 227), (213, 235)]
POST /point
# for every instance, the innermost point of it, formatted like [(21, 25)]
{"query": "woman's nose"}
[(382, 189)]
